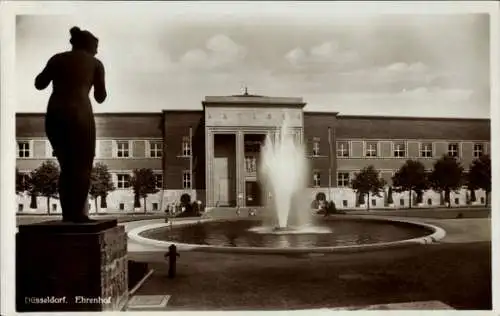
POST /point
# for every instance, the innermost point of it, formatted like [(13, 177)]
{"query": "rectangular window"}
[(54, 207), (457, 201), (20, 207), (121, 206), (155, 149), (155, 206), (186, 146), (159, 181), (186, 179), (426, 150), (316, 179), (429, 201), (371, 149), (374, 202), (343, 149), (478, 150), (401, 202), (453, 150), (122, 149), (23, 149), (315, 147), (399, 149), (123, 181), (344, 203), (343, 179)]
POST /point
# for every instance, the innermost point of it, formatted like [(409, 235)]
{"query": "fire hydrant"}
[(172, 255)]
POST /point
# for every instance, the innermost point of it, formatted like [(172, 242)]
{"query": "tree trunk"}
[(33, 203), (410, 199), (104, 203), (368, 201), (137, 201), (473, 196), (448, 197), (145, 211), (48, 205), (360, 198)]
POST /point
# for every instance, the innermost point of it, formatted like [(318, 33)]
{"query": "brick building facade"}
[(211, 153)]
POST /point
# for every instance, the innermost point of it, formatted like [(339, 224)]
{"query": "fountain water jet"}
[(284, 171)]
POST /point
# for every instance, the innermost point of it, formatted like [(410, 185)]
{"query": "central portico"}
[(235, 128)]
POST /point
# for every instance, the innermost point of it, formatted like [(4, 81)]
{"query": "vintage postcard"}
[(248, 156)]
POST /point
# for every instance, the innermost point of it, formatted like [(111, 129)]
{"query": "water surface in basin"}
[(251, 233)]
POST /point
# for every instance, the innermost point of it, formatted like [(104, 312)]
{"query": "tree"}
[(390, 199), (44, 181), (144, 182), (368, 181), (471, 187), (410, 177), (101, 183), (21, 184), (480, 175), (31, 188), (446, 176)]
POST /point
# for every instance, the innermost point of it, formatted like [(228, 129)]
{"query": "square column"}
[(240, 169), (209, 176)]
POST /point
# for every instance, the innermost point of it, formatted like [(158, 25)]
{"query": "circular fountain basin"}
[(333, 235)]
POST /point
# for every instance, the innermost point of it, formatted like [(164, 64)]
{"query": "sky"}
[(374, 64)]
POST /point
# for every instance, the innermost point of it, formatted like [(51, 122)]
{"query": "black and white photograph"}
[(248, 156)]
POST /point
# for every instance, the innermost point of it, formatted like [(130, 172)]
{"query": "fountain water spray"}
[(284, 170)]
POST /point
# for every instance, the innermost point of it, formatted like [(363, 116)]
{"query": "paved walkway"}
[(459, 275)]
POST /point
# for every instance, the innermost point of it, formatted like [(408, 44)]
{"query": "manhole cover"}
[(148, 302)]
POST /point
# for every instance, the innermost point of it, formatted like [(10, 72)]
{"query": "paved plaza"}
[(455, 272)]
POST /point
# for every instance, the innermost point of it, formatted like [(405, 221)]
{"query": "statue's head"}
[(83, 40)]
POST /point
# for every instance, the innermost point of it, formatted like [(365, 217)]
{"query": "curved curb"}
[(438, 234)]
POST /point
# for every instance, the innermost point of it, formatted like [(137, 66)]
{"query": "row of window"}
[(343, 179), (121, 149), (121, 207), (123, 180), (399, 149)]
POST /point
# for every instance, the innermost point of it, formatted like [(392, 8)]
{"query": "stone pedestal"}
[(71, 267)]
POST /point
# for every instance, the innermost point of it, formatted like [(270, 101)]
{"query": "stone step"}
[(148, 303)]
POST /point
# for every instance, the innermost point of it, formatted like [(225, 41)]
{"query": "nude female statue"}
[(69, 122)]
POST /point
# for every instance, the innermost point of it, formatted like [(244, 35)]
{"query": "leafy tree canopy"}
[(447, 174), (411, 176), (368, 181), (144, 182), (479, 175), (44, 179), (101, 181)]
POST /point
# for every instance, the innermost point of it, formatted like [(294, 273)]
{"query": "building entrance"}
[(253, 193)]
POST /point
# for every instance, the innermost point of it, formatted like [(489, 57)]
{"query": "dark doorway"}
[(253, 193)]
